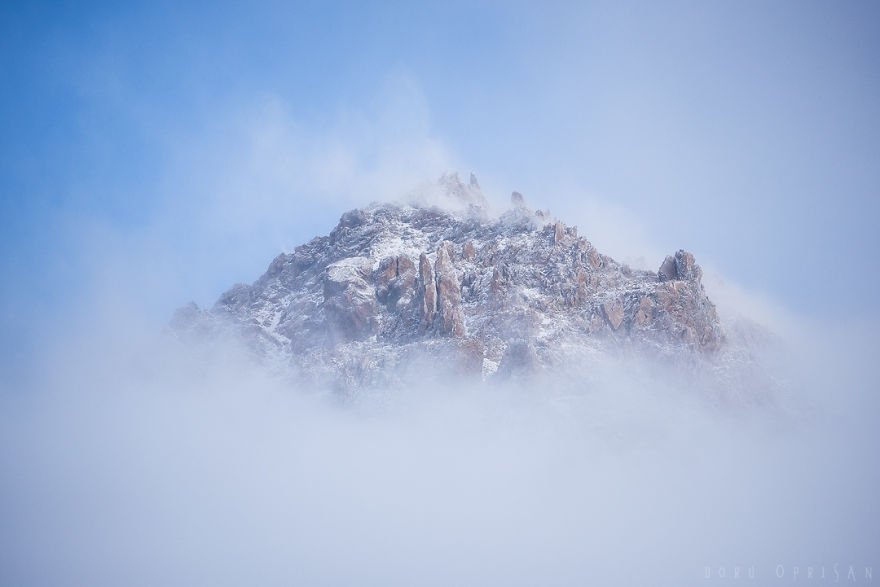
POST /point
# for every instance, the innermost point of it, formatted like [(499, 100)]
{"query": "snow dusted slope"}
[(394, 286)]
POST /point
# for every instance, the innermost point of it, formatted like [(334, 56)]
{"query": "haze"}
[(159, 153)]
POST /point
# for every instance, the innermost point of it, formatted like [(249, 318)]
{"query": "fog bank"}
[(145, 463)]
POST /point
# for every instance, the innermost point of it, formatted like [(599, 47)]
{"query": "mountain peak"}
[(451, 194), (391, 283)]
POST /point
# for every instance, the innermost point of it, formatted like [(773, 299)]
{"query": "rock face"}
[(393, 285), (428, 287), (449, 315), (681, 266), (350, 298)]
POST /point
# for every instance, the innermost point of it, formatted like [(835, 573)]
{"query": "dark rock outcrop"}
[(680, 266)]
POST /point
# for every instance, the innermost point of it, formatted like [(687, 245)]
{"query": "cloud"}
[(229, 190), (148, 462), (130, 459), (263, 165)]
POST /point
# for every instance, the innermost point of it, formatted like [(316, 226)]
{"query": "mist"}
[(156, 154), (130, 458)]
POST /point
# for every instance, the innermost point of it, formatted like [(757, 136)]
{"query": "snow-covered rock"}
[(392, 285)]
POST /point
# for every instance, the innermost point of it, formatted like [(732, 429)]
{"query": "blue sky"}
[(156, 153), (177, 148)]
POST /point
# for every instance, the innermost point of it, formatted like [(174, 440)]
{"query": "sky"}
[(156, 153), (198, 140)]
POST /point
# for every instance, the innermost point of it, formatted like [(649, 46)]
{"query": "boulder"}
[(667, 270), (613, 311)]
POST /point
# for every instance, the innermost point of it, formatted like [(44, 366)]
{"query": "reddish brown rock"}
[(681, 267), (355, 297), (558, 233), (582, 285), (597, 324), (613, 311), (349, 299), (594, 258), (468, 251), (667, 270), (450, 318), (385, 274), (686, 267), (395, 280), (428, 286), (644, 312)]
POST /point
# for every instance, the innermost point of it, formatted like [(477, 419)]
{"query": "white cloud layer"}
[(147, 463), (130, 460)]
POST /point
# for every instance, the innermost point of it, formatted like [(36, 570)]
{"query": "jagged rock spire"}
[(473, 184), (391, 282), (455, 195), (680, 266)]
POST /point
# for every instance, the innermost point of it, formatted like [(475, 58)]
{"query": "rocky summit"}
[(439, 283)]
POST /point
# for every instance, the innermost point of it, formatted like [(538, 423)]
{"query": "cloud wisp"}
[(149, 462), (131, 459)]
